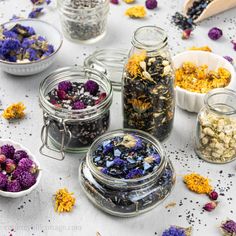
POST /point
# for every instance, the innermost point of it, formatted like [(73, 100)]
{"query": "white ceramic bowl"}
[(192, 101), (18, 146), (52, 35)]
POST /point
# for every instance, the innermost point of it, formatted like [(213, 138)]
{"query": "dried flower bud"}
[(2, 158), (151, 4), (213, 195), (210, 206), (186, 34), (114, 1)]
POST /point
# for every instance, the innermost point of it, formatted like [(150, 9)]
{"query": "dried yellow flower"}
[(14, 111), (64, 201), (139, 105), (136, 12), (198, 79), (129, 1), (133, 66), (197, 183), (204, 48)]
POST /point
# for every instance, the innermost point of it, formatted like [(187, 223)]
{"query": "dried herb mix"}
[(148, 94)]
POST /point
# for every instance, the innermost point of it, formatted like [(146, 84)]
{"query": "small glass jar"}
[(126, 197), (74, 130), (83, 20), (148, 84), (110, 62), (215, 139)]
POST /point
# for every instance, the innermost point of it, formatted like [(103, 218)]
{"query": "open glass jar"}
[(216, 127), (148, 84), (83, 20), (73, 130), (126, 197)]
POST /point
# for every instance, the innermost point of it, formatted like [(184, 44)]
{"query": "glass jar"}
[(83, 20), (109, 61), (74, 130), (126, 197), (216, 127), (148, 84)]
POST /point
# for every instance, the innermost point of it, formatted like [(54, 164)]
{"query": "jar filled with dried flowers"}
[(148, 84)]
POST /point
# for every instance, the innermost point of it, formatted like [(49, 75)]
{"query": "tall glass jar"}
[(83, 20), (148, 84), (216, 127), (73, 130), (126, 197)]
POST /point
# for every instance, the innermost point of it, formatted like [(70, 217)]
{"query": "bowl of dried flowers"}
[(19, 170), (198, 72), (28, 46)]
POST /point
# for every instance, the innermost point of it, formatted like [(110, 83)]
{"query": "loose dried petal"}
[(229, 59), (234, 44), (36, 12)]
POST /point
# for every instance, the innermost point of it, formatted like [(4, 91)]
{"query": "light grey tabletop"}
[(35, 215)]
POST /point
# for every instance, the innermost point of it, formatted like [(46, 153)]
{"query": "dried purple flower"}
[(229, 59), (25, 164), (234, 44), (7, 150), (215, 33), (2, 159), (62, 94), (10, 166), (13, 186), (228, 228), (16, 173), (65, 86), (78, 105), (213, 195), (35, 12), (114, 2), (102, 96), (91, 86), (10, 34), (32, 54), (11, 44), (19, 155), (26, 179), (174, 231), (210, 206), (135, 173), (3, 181), (151, 4)]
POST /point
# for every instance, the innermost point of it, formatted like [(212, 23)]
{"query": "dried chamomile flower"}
[(14, 111), (64, 201), (136, 12)]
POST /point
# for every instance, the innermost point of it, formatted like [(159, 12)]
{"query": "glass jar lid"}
[(110, 62)]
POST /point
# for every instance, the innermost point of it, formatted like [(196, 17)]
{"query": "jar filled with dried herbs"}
[(148, 84), (83, 20), (216, 127)]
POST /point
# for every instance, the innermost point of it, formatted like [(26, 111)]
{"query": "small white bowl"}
[(18, 146), (192, 101), (42, 28)]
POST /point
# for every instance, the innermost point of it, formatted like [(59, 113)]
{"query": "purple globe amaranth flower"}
[(16, 173), (229, 227), (229, 59), (215, 33), (13, 186), (65, 86), (174, 231), (7, 150), (78, 105), (26, 164), (19, 155), (62, 94), (2, 158), (133, 174), (10, 166), (91, 86), (26, 179), (151, 4), (3, 181)]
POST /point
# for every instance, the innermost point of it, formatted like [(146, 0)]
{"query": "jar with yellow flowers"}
[(148, 84)]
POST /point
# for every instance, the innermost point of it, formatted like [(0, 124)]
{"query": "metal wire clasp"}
[(45, 139)]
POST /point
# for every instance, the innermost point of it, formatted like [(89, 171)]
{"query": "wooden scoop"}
[(214, 8)]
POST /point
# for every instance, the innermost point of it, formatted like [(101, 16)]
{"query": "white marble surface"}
[(34, 214)]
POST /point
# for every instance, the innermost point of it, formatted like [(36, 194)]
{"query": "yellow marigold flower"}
[(64, 201), (136, 12), (129, 1), (197, 183), (204, 48), (139, 105), (14, 111), (133, 66)]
